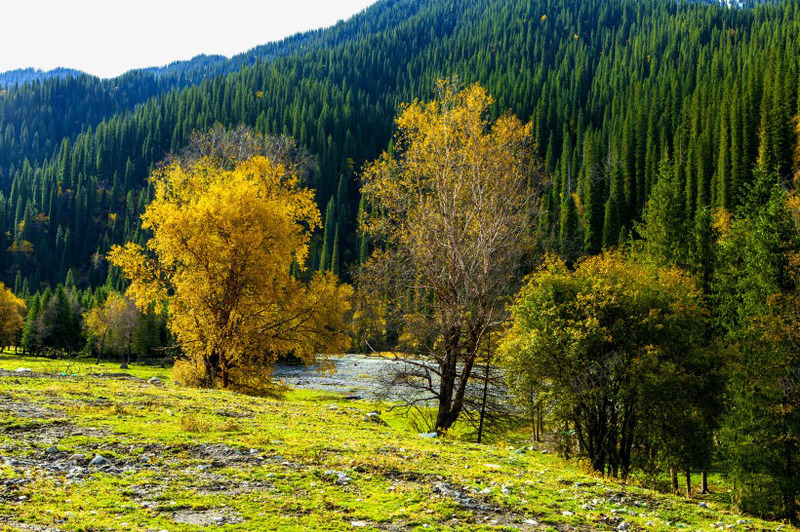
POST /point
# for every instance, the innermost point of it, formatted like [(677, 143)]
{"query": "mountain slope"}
[(26, 75), (617, 93)]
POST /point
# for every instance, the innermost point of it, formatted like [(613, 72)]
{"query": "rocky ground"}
[(354, 376), (101, 450)]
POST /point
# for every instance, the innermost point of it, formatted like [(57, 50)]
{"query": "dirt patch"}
[(211, 517), (29, 410)]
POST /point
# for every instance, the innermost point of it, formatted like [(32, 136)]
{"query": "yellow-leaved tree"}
[(225, 238), (111, 326), (12, 316), (451, 211)]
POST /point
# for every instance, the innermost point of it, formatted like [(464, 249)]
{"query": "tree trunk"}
[(789, 492), (540, 427), (485, 391), (688, 482), (704, 482), (673, 475), (448, 366)]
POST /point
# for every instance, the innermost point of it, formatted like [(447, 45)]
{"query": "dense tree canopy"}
[(617, 345), (612, 90), (223, 246)]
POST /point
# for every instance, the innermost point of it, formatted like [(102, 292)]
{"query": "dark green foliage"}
[(756, 297), (612, 91)]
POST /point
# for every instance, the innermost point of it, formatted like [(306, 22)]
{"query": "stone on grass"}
[(373, 417), (52, 449), (98, 460), (430, 435), (155, 381)]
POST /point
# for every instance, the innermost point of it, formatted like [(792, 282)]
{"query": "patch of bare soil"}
[(211, 517)]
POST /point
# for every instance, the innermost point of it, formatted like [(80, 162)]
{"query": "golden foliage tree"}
[(451, 208), (12, 316), (223, 246), (111, 326)]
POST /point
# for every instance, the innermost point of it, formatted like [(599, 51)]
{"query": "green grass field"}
[(185, 459)]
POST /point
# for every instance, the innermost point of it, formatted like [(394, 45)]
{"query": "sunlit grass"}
[(274, 464)]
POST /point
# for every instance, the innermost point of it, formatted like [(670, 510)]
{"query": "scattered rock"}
[(339, 477), (23, 370), (206, 517), (373, 417), (98, 460), (155, 381), (359, 524), (52, 449), (532, 522), (430, 435)]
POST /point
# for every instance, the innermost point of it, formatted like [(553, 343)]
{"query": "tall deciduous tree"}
[(451, 206), (224, 242)]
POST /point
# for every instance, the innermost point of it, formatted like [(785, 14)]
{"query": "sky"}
[(109, 37)]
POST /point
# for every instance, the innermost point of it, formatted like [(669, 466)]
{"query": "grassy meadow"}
[(175, 458)]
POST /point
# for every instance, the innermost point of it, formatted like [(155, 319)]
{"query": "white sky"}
[(109, 37)]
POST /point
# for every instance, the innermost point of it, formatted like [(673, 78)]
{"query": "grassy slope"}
[(181, 456)]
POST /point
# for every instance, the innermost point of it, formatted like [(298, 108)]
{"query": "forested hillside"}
[(616, 91), (25, 75)]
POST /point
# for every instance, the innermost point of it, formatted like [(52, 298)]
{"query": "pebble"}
[(567, 513), (428, 435), (98, 460), (52, 449), (532, 522)]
